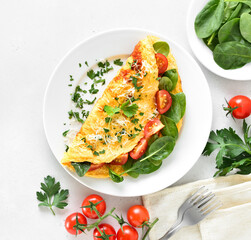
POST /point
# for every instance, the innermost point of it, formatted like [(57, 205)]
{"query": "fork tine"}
[(205, 200), (193, 201), (203, 210), (193, 195), (212, 210)]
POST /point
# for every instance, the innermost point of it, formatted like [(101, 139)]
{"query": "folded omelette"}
[(103, 138)]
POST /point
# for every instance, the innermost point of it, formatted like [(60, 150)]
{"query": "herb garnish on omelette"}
[(135, 124)]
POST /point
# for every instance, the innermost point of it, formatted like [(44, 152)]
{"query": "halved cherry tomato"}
[(239, 107), (162, 62), (120, 160), (70, 222), (152, 127), (164, 101), (107, 228), (137, 215), (101, 207), (95, 166), (128, 233), (140, 149)]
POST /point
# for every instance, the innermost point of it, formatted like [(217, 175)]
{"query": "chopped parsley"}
[(76, 116), (134, 81), (85, 113), (118, 62), (86, 63), (145, 74), (108, 119), (116, 98), (66, 148), (90, 102), (133, 135), (80, 65), (135, 121), (71, 79), (93, 90), (137, 129), (96, 153), (65, 133), (70, 85), (141, 114), (90, 146), (106, 130), (99, 81), (91, 74), (110, 110), (119, 138), (102, 152), (129, 110)]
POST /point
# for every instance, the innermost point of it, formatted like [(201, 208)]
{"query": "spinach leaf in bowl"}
[(232, 55), (245, 26), (209, 19), (230, 31)]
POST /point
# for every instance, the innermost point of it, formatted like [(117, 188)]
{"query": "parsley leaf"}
[(118, 62), (233, 151), (129, 110), (93, 90), (110, 110), (108, 119), (51, 190), (65, 133), (106, 130), (134, 82), (76, 116), (91, 74), (90, 102)]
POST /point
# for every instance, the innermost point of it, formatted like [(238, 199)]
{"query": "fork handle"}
[(172, 231)]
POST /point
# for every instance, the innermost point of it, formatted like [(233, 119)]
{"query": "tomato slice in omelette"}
[(116, 123)]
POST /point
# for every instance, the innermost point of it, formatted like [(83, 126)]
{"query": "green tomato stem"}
[(149, 229)]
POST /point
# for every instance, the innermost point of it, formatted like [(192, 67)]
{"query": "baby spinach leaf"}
[(172, 74), (152, 139), (115, 177), (128, 165), (209, 19), (248, 2), (170, 128), (229, 9), (232, 55), (230, 31), (245, 26), (81, 168), (166, 84), (236, 12), (244, 9), (161, 148), (161, 47), (178, 108)]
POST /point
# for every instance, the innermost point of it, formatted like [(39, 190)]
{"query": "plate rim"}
[(197, 55), (210, 110)]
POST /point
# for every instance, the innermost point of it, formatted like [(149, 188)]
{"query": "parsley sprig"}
[(234, 153), (52, 195), (128, 109)]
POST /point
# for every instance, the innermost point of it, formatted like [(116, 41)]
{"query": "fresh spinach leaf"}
[(152, 139), (172, 74), (170, 128), (161, 47), (248, 2), (160, 149), (166, 84), (115, 177), (236, 12), (230, 31), (232, 55), (81, 168), (245, 26), (209, 19), (128, 165), (178, 108), (229, 9)]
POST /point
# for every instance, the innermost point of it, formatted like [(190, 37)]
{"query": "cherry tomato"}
[(95, 166), (107, 228), (152, 127), (101, 207), (128, 233), (164, 101), (70, 222), (162, 62), (140, 149), (243, 105), (120, 160), (137, 215)]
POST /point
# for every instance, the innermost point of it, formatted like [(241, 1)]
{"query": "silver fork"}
[(193, 210)]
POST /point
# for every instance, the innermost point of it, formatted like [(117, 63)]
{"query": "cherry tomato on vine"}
[(239, 107), (152, 127), (137, 215), (107, 229), (162, 62), (70, 222), (139, 150), (101, 207), (164, 101), (128, 233)]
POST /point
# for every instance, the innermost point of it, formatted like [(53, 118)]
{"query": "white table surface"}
[(35, 35)]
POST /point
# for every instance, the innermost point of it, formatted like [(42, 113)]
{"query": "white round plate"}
[(197, 120), (204, 54)]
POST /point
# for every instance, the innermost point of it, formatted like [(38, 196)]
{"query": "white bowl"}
[(204, 54)]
